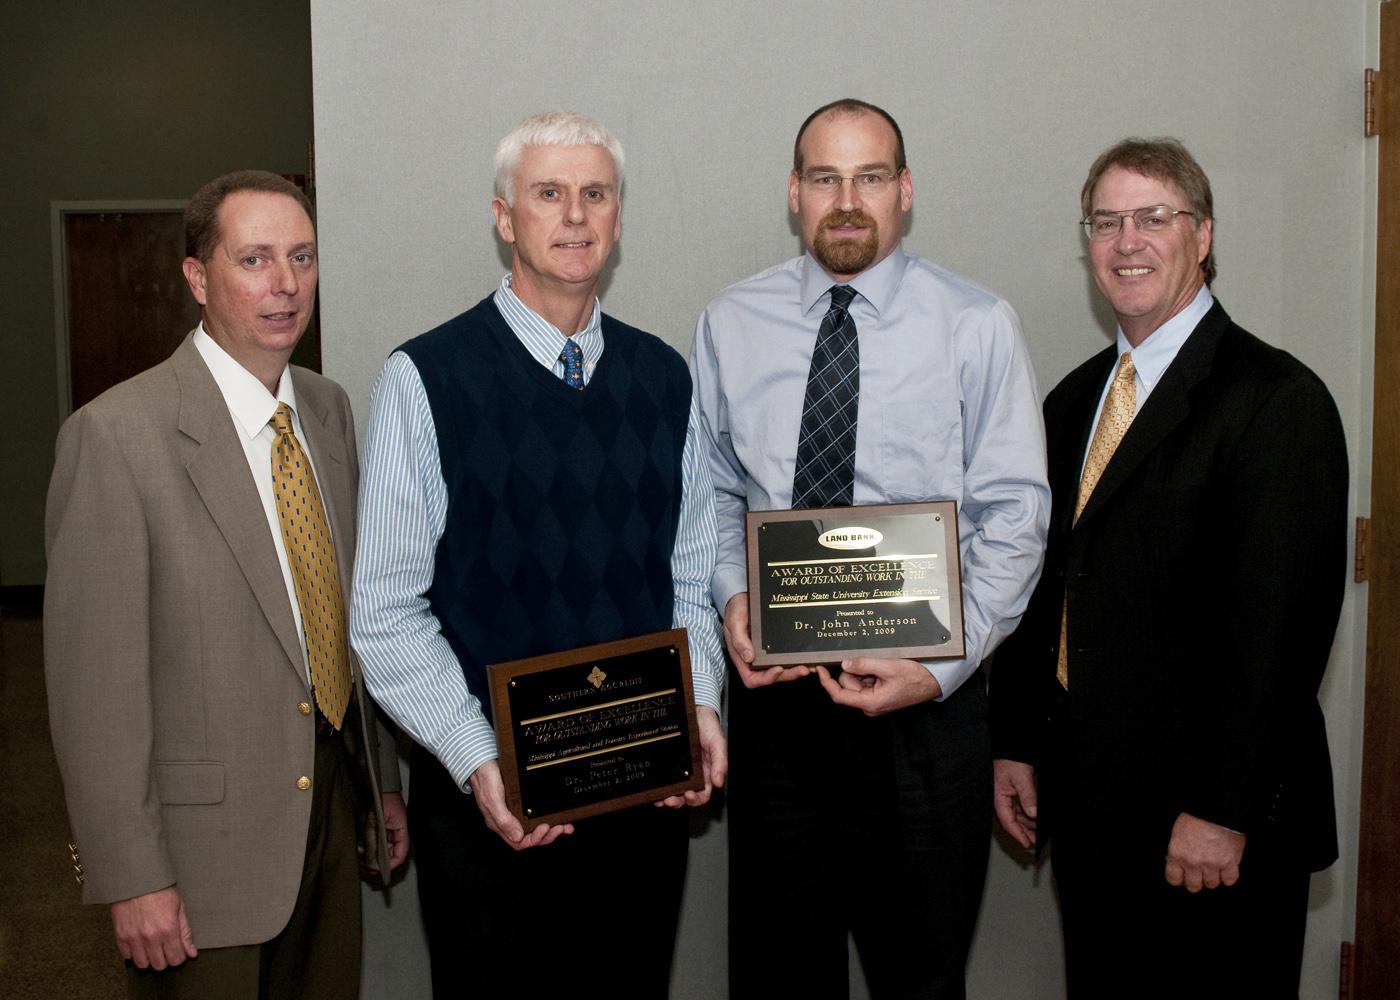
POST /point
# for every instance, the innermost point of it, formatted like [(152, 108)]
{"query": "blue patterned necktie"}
[(572, 356), (826, 444)]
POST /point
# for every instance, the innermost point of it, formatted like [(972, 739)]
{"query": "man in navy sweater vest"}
[(533, 484)]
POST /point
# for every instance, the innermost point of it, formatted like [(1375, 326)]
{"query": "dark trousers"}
[(840, 824), (594, 913), (317, 955), (1129, 933)]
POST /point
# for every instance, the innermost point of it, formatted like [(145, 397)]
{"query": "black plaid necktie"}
[(826, 445)]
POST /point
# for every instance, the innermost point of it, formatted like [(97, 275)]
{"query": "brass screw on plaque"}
[(673, 650), (529, 812), (685, 774), (512, 683)]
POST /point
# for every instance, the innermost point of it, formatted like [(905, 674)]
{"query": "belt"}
[(325, 729)]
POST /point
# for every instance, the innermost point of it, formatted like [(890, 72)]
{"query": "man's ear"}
[(195, 278), (501, 211)]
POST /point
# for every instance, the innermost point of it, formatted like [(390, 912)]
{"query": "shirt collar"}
[(248, 400), (1152, 357), (877, 285), (543, 339)]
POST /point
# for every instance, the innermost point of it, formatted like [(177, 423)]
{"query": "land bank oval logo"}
[(851, 538)]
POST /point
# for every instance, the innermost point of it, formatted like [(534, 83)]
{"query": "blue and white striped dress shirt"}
[(409, 667)]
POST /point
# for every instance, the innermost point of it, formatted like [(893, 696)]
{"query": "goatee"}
[(846, 256)]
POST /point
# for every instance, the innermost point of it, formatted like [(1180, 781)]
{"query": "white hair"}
[(550, 128)]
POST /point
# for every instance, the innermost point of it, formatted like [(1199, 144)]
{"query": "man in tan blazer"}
[(213, 770)]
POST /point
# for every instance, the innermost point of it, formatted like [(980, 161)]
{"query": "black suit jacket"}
[(1204, 580)]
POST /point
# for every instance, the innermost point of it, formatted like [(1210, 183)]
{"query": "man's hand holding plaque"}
[(490, 793), (877, 686), (874, 686), (739, 644), (714, 761)]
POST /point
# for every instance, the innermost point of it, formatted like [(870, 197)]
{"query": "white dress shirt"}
[(252, 406)]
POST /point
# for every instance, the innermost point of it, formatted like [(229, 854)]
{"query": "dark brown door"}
[(1377, 957), (128, 304)]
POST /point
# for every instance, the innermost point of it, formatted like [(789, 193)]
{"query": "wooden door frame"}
[(1375, 966), (58, 211)]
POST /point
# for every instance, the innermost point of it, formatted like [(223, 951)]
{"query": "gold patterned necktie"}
[(1118, 411), (315, 574)]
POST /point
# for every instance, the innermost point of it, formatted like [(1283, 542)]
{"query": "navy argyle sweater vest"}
[(562, 504)]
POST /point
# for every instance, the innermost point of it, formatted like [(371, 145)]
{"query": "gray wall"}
[(144, 100), (1003, 107)]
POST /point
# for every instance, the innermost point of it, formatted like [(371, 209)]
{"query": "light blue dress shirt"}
[(409, 667), (948, 411)]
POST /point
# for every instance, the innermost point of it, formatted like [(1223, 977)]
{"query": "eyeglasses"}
[(1152, 219), (870, 182)]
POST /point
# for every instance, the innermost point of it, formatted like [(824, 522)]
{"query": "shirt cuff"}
[(728, 581), (465, 749), (950, 674), (705, 688)]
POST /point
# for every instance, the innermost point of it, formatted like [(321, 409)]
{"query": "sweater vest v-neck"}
[(562, 504)]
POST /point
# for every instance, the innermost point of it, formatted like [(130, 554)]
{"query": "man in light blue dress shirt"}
[(859, 802), (534, 482)]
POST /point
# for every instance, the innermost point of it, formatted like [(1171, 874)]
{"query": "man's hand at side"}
[(740, 647), (879, 686), (714, 756), (396, 826), (152, 930), (490, 794), (1013, 797), (1202, 854)]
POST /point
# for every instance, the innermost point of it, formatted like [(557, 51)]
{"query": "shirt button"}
[(303, 782), (304, 707)]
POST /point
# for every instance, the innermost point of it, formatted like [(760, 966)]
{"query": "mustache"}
[(840, 217)]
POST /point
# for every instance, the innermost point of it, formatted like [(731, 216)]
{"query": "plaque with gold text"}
[(596, 729), (834, 583)]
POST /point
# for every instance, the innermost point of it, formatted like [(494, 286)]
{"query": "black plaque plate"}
[(834, 583), (596, 729)]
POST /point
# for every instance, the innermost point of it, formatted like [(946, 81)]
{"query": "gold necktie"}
[(315, 574), (1118, 411)]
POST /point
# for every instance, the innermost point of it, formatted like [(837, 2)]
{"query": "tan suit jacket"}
[(178, 699)]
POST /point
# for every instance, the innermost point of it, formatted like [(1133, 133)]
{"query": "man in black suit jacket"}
[(1156, 711)]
